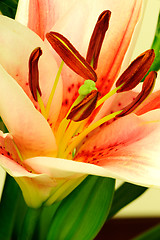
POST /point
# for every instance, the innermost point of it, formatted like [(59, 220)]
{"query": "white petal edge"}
[(23, 7)]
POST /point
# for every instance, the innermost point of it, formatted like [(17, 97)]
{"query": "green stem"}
[(29, 225)]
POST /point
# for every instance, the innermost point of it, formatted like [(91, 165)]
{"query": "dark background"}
[(126, 228)]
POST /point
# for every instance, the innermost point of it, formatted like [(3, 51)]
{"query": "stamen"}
[(108, 95), (97, 38), (67, 136), (65, 122), (71, 56), (83, 134), (61, 130), (74, 152), (54, 89), (18, 152), (84, 90), (82, 110), (147, 88), (136, 71), (41, 105), (34, 73), (79, 111)]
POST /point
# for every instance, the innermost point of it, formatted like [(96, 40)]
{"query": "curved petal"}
[(8, 147), (30, 130), (115, 44), (16, 44), (36, 188), (33, 192), (41, 15), (22, 12), (127, 149)]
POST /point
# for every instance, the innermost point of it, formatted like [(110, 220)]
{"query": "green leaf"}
[(29, 226), (151, 234), (10, 3), (125, 194), (8, 7), (20, 215), (2, 126), (46, 219), (8, 208), (156, 46), (82, 214)]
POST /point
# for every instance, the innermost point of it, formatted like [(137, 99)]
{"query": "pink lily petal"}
[(41, 15), (30, 130), (14, 57), (151, 103), (121, 27), (127, 149), (115, 103), (119, 38)]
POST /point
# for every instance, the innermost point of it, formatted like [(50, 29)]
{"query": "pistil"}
[(84, 109), (80, 110), (85, 132)]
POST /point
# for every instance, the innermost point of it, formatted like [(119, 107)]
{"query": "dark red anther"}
[(97, 38), (71, 56), (84, 109), (136, 71), (147, 87), (34, 73)]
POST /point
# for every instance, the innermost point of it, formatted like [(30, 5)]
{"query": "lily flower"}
[(61, 127)]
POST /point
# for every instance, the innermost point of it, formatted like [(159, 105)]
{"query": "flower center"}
[(74, 128), (72, 133)]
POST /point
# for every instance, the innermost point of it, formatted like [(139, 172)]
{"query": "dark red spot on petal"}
[(69, 89)]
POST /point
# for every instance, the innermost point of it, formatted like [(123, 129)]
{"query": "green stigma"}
[(87, 87)]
